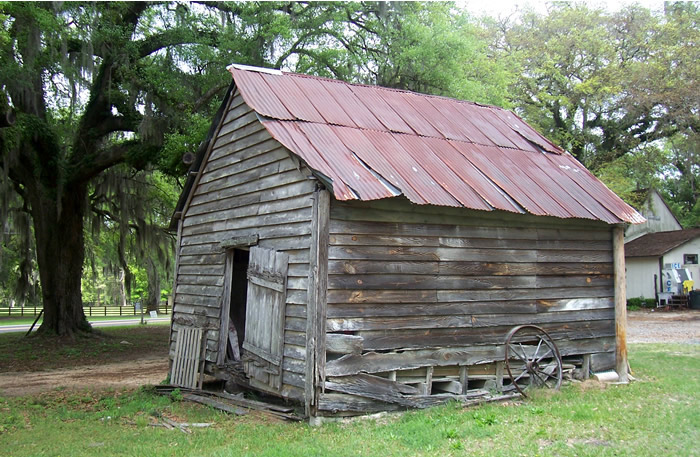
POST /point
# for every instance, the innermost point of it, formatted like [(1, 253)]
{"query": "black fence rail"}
[(90, 311)]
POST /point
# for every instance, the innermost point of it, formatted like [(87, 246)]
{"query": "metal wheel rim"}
[(543, 367)]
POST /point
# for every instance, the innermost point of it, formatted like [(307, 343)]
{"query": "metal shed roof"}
[(373, 142)]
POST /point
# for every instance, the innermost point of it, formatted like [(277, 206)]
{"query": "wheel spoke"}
[(520, 376), (513, 349), (536, 375), (549, 352), (539, 343)]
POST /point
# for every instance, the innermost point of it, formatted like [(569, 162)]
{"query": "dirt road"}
[(663, 327), (643, 327), (129, 374)]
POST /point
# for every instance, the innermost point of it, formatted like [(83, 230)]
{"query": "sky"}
[(505, 8)]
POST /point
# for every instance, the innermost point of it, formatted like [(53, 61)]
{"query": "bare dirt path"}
[(129, 374), (643, 327)]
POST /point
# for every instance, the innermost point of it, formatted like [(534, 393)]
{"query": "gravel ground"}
[(663, 326)]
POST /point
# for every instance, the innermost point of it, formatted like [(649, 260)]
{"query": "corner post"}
[(618, 242), (316, 306)]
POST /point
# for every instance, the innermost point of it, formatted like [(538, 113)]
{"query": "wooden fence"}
[(90, 311)]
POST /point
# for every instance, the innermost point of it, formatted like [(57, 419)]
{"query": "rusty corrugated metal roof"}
[(372, 142)]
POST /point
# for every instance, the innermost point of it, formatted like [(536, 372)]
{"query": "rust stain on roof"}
[(371, 142)]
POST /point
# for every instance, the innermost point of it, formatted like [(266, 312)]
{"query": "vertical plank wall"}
[(411, 280), (249, 186)]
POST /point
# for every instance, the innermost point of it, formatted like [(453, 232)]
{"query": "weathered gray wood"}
[(454, 337), (265, 316), (466, 268), (586, 366), (240, 241), (322, 200), (427, 281), (206, 156), (476, 226), (186, 363), (409, 321), (343, 344), (225, 310), (448, 386), (400, 210), (338, 403), (373, 387), (351, 310), (464, 378), (621, 364), (373, 362), (214, 404)]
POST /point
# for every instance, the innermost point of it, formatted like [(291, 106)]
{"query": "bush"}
[(639, 303)]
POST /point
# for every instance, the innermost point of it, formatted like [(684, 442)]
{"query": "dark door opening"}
[(239, 291)]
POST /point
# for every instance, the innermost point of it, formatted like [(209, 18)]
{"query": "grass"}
[(652, 417), (110, 344)]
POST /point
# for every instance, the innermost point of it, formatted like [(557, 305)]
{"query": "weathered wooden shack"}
[(359, 248)]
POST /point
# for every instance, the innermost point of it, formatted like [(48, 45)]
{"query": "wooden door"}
[(263, 346)]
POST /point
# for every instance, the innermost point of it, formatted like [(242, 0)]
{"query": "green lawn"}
[(108, 344), (655, 416)]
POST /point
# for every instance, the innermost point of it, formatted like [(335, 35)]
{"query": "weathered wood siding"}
[(412, 287), (249, 185)]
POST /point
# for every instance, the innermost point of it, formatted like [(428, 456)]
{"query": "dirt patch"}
[(663, 326), (131, 374)]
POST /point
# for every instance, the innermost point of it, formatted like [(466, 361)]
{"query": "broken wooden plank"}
[(373, 387), (337, 343), (252, 404), (214, 404)]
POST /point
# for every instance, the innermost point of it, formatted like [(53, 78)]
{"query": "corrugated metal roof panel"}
[(292, 97), (441, 173), (359, 142), (344, 164), (595, 188), (323, 101), (258, 95), (371, 143), (468, 131), (412, 172), (399, 102), (381, 109)]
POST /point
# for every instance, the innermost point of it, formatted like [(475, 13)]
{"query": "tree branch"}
[(93, 164)]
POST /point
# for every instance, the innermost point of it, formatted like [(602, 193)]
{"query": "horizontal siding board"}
[(249, 175), (282, 191), (254, 209), (259, 221), (267, 232), (467, 268), (409, 281), (423, 338), (466, 308), (462, 321), (400, 211), (236, 172)]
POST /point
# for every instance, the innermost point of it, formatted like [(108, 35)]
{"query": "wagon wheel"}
[(532, 359)]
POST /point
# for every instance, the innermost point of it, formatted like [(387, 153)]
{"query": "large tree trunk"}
[(58, 229)]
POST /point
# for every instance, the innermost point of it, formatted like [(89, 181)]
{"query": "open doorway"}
[(236, 276)]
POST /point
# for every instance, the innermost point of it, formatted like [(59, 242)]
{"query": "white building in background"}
[(659, 218), (646, 256)]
